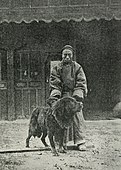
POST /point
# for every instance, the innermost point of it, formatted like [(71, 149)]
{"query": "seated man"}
[(68, 79)]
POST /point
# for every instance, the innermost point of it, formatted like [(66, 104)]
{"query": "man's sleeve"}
[(55, 83), (80, 90)]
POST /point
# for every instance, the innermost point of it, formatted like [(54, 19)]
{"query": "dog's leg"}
[(43, 137), (54, 151), (27, 140), (61, 141), (65, 139)]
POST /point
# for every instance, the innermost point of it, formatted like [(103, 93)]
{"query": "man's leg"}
[(79, 130)]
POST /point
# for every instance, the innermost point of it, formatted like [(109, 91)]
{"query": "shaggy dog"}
[(54, 121), (37, 126)]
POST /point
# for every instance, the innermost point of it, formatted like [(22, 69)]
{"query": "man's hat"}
[(68, 47)]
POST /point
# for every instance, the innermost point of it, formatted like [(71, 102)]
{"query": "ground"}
[(103, 141)]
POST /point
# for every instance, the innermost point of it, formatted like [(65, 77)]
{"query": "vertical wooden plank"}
[(26, 103), (43, 85), (0, 90), (0, 67), (17, 61), (3, 91), (37, 103), (18, 103), (0, 106), (32, 99), (3, 109), (47, 76), (4, 65), (10, 85), (74, 46), (41, 90), (39, 97)]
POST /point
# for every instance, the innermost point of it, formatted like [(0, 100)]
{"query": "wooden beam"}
[(10, 85), (24, 150)]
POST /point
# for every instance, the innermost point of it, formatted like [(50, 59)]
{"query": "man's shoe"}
[(82, 142), (81, 147)]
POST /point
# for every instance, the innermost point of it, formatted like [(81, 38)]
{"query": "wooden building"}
[(32, 33)]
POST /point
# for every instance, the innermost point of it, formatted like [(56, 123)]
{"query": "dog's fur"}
[(37, 125), (54, 122)]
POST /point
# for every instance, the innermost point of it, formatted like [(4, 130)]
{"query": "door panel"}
[(18, 103), (26, 107), (39, 97), (28, 82), (33, 101), (24, 66), (32, 80)]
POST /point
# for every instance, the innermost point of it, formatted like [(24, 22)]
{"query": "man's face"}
[(67, 55)]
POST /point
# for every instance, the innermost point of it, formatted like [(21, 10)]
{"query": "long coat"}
[(70, 80)]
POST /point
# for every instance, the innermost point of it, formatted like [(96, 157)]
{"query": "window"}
[(28, 66)]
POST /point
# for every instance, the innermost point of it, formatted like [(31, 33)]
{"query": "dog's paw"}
[(62, 150), (27, 146), (65, 147), (56, 154)]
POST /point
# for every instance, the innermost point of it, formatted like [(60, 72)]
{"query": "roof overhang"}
[(59, 13)]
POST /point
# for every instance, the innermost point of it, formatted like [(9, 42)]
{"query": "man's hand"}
[(51, 101), (81, 104), (79, 99)]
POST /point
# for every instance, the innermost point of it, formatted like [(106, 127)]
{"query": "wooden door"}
[(29, 82)]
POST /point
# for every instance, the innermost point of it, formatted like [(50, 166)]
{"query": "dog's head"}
[(64, 110)]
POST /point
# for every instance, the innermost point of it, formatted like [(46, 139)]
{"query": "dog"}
[(37, 127), (54, 122)]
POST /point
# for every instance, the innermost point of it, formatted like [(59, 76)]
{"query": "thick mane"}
[(62, 111), (63, 100)]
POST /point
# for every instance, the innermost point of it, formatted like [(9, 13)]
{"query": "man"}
[(68, 79)]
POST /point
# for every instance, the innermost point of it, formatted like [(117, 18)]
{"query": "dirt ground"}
[(103, 141)]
